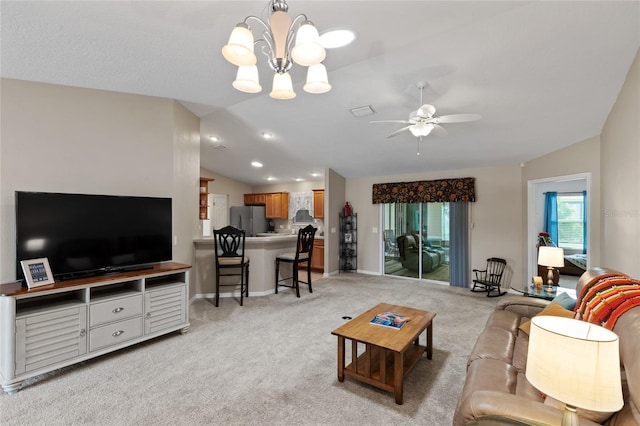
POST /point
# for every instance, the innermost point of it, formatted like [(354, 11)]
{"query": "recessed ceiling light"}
[(298, 179), (266, 135), (315, 174), (337, 38), (270, 178), (256, 164), (214, 138)]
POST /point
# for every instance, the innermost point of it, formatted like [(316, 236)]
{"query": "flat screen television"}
[(85, 235)]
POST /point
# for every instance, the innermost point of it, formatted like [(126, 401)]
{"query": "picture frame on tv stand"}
[(37, 272)]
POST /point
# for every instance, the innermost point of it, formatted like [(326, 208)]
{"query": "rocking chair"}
[(490, 278)]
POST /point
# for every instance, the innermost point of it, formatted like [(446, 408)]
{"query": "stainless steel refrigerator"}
[(249, 218)]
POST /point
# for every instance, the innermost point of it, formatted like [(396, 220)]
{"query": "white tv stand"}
[(46, 328)]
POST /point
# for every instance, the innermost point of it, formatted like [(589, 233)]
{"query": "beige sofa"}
[(496, 391)]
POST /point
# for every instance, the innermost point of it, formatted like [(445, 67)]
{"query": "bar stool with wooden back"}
[(229, 246), (304, 248)]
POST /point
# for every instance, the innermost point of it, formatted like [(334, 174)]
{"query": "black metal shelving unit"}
[(348, 242)]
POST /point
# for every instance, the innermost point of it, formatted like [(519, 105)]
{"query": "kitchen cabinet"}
[(255, 199), (204, 197), (276, 203), (249, 200), (317, 256), (318, 203)]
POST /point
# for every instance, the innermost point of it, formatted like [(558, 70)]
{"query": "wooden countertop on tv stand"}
[(17, 289)]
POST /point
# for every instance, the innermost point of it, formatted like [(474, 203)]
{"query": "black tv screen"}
[(83, 234)]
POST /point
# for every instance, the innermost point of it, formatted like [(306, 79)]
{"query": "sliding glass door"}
[(416, 240)]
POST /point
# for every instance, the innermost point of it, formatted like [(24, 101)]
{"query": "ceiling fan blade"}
[(391, 121), (397, 132), (438, 130), (456, 118)]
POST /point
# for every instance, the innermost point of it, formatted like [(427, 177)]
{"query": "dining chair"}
[(230, 257), (302, 256)]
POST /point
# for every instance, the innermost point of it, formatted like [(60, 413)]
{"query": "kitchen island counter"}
[(262, 252)]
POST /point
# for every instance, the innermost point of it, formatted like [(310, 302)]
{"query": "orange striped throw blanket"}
[(605, 298)]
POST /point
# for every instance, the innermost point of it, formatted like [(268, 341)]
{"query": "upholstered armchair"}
[(409, 254)]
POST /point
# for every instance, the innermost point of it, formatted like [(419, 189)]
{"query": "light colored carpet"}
[(271, 362), (440, 273)]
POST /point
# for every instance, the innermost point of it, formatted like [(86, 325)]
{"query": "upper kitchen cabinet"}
[(255, 199), (318, 203), (276, 203)]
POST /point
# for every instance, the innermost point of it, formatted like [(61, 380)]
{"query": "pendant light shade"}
[(282, 87), (317, 81), (285, 41), (239, 49), (308, 50), (247, 80)]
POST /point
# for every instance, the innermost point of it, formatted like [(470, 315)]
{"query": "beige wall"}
[(66, 139), (186, 183), (225, 186), (289, 187), (334, 198), (620, 165), (496, 216)]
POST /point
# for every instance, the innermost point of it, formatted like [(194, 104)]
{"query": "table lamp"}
[(551, 257), (575, 362)]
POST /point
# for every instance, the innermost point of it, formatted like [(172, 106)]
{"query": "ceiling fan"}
[(422, 121)]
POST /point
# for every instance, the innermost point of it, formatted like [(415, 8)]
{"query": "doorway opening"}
[(572, 207)]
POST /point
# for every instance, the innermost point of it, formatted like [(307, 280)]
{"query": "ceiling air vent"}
[(362, 111)]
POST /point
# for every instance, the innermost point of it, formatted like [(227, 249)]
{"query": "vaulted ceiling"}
[(543, 75)]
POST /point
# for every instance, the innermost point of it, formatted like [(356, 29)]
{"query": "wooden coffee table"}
[(389, 354)]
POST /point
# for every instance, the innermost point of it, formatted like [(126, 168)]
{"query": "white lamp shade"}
[(551, 256), (247, 80), (308, 50), (317, 80), (282, 87), (575, 362), (239, 49), (421, 129)]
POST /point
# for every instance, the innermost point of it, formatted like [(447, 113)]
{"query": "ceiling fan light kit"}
[(421, 129), (422, 122), (278, 46)]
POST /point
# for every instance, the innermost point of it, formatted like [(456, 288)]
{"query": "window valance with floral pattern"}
[(425, 191)]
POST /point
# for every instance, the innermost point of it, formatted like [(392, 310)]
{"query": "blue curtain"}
[(551, 215), (459, 244), (584, 222)]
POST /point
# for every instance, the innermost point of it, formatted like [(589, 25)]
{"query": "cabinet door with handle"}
[(164, 308), (49, 338)]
